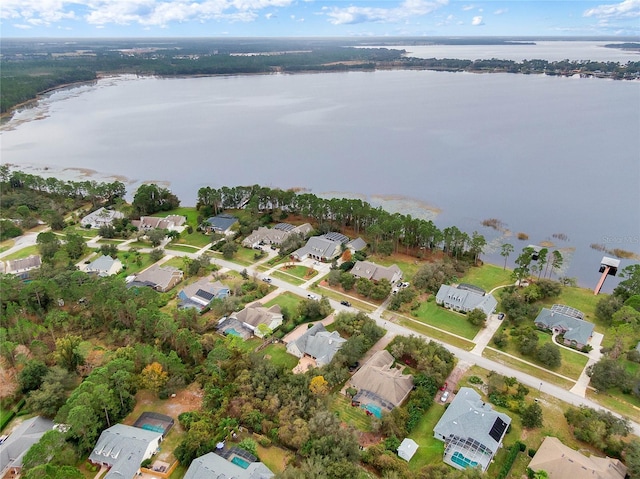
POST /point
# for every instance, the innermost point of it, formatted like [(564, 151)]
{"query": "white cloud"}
[(466, 8), (269, 16), (627, 8), (142, 12), (501, 11), (403, 12), (477, 21)]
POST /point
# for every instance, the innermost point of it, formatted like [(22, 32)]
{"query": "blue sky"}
[(233, 18)]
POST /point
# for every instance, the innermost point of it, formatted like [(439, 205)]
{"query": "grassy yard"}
[(177, 262), (130, 263), (6, 244), (22, 253), (430, 450), (111, 241), (182, 247), (432, 333), (275, 458), (338, 296), (244, 256), (190, 212), (300, 271), (434, 315), (487, 276), (288, 278), (572, 362), (288, 301), (543, 374), (625, 404), (279, 356), (582, 299), (196, 238), (354, 416)]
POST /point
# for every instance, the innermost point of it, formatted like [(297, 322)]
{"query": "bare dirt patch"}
[(8, 380)]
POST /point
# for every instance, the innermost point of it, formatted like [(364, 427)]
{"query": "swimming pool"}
[(238, 461), (373, 409), (463, 461), (151, 427), (233, 332)]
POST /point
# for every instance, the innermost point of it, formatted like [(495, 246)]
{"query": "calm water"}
[(544, 155), (547, 50)]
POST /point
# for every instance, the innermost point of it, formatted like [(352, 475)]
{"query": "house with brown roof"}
[(275, 235), (375, 272), (171, 222), (380, 385), (100, 217), (252, 320), (160, 278), (560, 462)]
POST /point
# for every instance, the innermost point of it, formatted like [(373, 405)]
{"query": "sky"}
[(307, 18)]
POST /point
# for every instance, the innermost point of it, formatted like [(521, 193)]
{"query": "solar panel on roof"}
[(204, 294), (497, 429)]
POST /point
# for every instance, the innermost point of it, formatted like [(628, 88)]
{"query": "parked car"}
[(445, 396), (266, 279), (354, 366), (501, 316), (345, 303), (404, 285), (444, 387), (312, 296)]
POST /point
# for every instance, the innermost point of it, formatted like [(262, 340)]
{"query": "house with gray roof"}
[(381, 387), (123, 448), (375, 272), (21, 267), (220, 224), (275, 235), (199, 295), (357, 244), (100, 217), (471, 431), (160, 278), (247, 323), (464, 298), (576, 332), (324, 248), (213, 466), (318, 344), (104, 266), (13, 449)]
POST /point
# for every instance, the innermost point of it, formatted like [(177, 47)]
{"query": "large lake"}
[(545, 155)]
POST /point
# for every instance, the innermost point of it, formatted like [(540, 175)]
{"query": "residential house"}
[(123, 448), (171, 223), (104, 266), (214, 466), (560, 461), (100, 217), (318, 344), (566, 321), (13, 449), (375, 272), (251, 321), (407, 449), (471, 430), (380, 385), (326, 247), (21, 267), (198, 295), (220, 224), (465, 297), (357, 244), (160, 278), (275, 235)]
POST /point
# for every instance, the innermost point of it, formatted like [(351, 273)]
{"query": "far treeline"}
[(30, 69)]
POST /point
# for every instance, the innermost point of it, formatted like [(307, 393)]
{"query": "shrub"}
[(146, 463), (531, 452), (475, 380)]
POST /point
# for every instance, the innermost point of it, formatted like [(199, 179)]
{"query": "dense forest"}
[(30, 68)]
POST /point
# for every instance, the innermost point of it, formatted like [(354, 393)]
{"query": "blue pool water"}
[(373, 409), (151, 427), (461, 460), (232, 331), (238, 461)]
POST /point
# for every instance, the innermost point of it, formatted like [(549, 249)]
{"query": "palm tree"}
[(507, 249)]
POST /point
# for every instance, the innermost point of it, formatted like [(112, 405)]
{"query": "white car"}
[(312, 296), (445, 396)]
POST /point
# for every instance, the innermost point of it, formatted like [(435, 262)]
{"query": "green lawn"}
[(22, 253), (487, 276), (189, 211), (278, 355), (431, 450), (430, 313), (625, 404), (299, 271), (177, 262), (111, 241), (433, 333), (288, 278), (338, 296), (275, 458), (196, 238), (130, 264), (354, 416), (543, 374), (244, 256), (183, 248), (572, 362), (288, 301), (6, 244)]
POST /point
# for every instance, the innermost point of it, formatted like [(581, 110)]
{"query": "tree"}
[(477, 317), (228, 249), (156, 236), (156, 254), (52, 448), (549, 355), (606, 374), (151, 198), (531, 415), (632, 457), (32, 375), (556, 261), (68, 353), (523, 262), (74, 245), (52, 394), (49, 471), (542, 260), (249, 445), (319, 386), (48, 245), (153, 377), (476, 246)]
